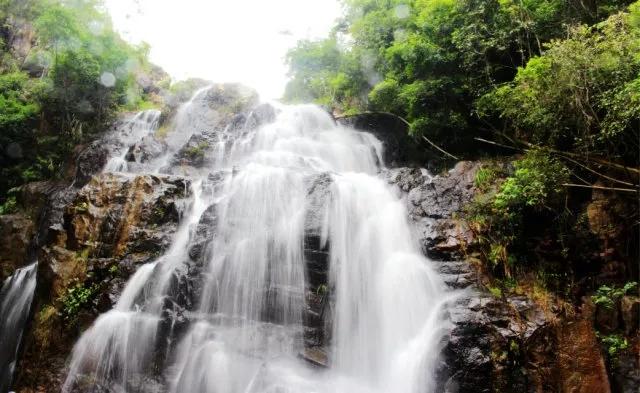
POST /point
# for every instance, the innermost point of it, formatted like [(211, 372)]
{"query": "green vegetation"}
[(608, 297), (64, 74), (197, 152), (614, 344), (9, 206), (75, 299), (487, 175), (582, 95), (434, 62), (499, 214)]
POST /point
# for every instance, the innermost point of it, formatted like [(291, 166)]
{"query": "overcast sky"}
[(224, 41)]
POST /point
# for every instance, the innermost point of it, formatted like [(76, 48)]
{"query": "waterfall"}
[(236, 321), (130, 132), (16, 296)]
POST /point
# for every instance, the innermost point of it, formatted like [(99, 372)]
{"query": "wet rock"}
[(581, 367), (34, 197), (16, 232), (399, 148), (194, 152), (505, 343), (114, 213), (90, 162), (260, 115), (316, 255), (607, 318), (630, 310), (511, 345), (433, 203), (204, 233), (626, 371), (95, 237), (315, 356), (148, 148), (445, 195), (315, 251)]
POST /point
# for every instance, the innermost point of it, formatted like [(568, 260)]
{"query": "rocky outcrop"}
[(500, 342), (91, 161), (399, 147), (316, 254), (147, 149), (434, 202), (93, 239), (16, 232)]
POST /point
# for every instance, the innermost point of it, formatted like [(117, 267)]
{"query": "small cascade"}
[(236, 319), (125, 338), (16, 296), (132, 131)]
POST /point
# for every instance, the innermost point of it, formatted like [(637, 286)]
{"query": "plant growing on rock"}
[(9, 206), (614, 344), (607, 296), (498, 214), (197, 152), (76, 298)]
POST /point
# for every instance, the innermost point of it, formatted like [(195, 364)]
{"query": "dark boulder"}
[(399, 147), (90, 162), (16, 232), (148, 148), (316, 256)]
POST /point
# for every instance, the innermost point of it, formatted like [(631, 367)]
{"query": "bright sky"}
[(224, 40)]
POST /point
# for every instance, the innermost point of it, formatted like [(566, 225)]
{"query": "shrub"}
[(607, 296), (76, 298), (499, 210)]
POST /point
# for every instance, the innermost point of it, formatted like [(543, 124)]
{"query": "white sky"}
[(224, 40)]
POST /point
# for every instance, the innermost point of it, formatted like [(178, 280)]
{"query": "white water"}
[(16, 295), (246, 333), (132, 131)]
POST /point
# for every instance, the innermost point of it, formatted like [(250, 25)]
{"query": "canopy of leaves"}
[(64, 74), (583, 94), (430, 60)]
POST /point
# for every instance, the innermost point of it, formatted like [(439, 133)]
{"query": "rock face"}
[(432, 202), (399, 148), (148, 148), (16, 232), (316, 254), (93, 239), (506, 343), (90, 162)]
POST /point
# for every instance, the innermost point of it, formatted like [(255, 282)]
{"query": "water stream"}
[(244, 329), (16, 295)]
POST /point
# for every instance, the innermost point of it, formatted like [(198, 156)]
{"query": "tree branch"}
[(440, 149), (601, 188), (405, 122)]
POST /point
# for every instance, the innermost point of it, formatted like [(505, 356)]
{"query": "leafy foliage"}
[(62, 90), (537, 182), (430, 60), (75, 299), (614, 344), (581, 95), (498, 214), (607, 296)]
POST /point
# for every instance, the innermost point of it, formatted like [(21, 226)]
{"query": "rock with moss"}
[(94, 239), (16, 232)]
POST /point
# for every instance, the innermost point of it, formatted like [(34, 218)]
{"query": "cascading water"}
[(132, 130), (16, 296), (243, 330)]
